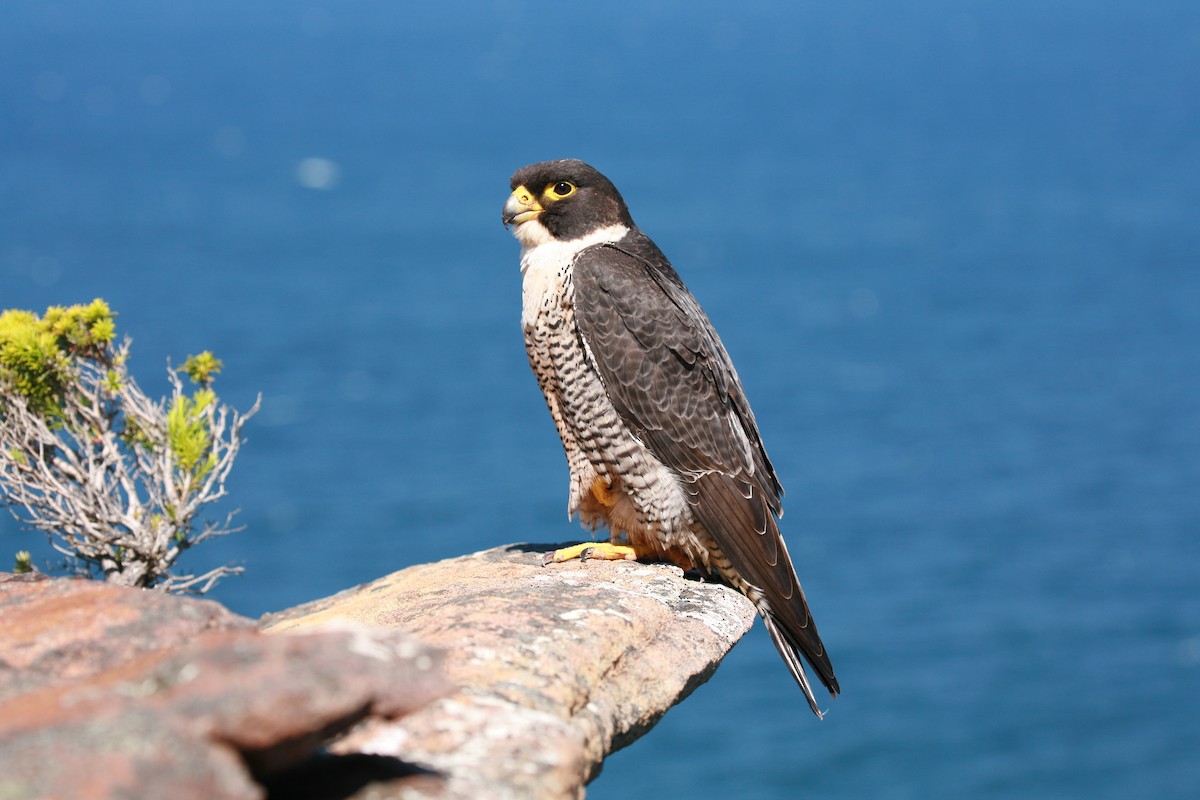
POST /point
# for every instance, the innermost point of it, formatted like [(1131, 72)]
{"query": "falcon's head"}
[(562, 201)]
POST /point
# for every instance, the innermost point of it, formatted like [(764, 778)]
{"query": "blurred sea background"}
[(953, 248)]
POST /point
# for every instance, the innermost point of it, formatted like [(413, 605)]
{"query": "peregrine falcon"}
[(660, 440)]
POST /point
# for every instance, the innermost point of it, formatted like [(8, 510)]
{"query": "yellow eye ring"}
[(560, 190)]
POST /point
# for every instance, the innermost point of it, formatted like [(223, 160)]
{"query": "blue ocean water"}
[(952, 248)]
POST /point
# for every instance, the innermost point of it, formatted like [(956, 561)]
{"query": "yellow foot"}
[(601, 550)]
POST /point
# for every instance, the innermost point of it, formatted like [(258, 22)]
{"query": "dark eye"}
[(562, 188)]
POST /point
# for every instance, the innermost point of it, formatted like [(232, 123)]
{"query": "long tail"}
[(747, 550), (791, 647)]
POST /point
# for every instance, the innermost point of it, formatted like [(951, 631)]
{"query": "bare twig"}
[(116, 480)]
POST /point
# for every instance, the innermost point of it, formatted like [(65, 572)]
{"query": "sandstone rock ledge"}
[(558, 666), (518, 683)]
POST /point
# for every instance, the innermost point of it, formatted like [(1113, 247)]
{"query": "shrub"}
[(116, 480)]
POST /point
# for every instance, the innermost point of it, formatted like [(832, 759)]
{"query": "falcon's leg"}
[(602, 492), (605, 551), (609, 551), (600, 498)]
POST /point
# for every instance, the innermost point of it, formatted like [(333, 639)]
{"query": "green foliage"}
[(31, 363), (113, 477), (24, 562), (82, 329), (36, 353), (189, 435), (202, 369)]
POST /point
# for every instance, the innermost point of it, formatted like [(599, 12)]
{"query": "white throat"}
[(545, 262), (539, 247)]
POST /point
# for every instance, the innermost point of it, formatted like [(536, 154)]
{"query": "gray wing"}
[(671, 380)]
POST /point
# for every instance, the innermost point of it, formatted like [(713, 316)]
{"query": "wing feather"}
[(666, 370), (671, 380)]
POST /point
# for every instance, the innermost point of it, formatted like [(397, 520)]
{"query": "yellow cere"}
[(525, 198)]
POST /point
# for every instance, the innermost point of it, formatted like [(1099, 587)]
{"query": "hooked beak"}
[(521, 206)]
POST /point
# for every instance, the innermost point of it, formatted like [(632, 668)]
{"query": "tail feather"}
[(791, 651), (747, 550)]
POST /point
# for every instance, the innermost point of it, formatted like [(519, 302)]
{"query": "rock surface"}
[(54, 630), (520, 680), (114, 692), (558, 666)]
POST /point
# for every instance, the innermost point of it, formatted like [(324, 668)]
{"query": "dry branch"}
[(116, 480)]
